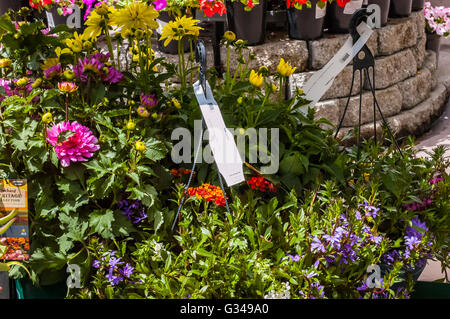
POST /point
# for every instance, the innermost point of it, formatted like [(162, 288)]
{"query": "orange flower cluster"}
[(208, 192), (262, 184), (178, 172), (17, 248)]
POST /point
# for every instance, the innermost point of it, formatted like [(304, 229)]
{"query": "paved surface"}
[(438, 135)]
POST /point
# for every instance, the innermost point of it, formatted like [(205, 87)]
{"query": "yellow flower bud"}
[(256, 79), (366, 177), (69, 75), (176, 103), (47, 118), (22, 82), (37, 83), (131, 125), (5, 63), (240, 100), (285, 69), (274, 87), (140, 146), (229, 36)]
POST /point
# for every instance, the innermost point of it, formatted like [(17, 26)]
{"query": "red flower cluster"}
[(17, 248), (211, 7), (178, 172), (39, 4), (342, 3), (262, 184), (208, 192), (291, 3)]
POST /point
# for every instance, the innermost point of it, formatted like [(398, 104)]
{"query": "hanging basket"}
[(307, 23)]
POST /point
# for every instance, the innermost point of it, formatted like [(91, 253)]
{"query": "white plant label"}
[(320, 12), (221, 141), (50, 21), (352, 6), (161, 25), (322, 80)]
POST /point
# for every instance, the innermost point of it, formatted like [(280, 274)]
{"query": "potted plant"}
[(418, 5), (306, 19), (168, 11), (400, 8), (384, 6), (437, 26), (339, 14), (247, 19)]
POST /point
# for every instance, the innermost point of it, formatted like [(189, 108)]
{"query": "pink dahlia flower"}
[(77, 147)]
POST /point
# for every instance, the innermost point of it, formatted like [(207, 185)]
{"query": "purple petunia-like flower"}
[(127, 270), (413, 232)]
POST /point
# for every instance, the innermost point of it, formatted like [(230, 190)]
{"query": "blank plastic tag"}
[(320, 12), (352, 6), (50, 21), (161, 25), (322, 80), (221, 141)]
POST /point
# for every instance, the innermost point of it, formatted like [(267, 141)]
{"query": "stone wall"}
[(407, 89)]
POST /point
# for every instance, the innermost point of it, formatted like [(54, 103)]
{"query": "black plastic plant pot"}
[(250, 25), (339, 17), (307, 23), (384, 6), (15, 5), (434, 44), (400, 8), (172, 47), (413, 273), (418, 5)]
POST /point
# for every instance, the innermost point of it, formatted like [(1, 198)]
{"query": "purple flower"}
[(413, 232), (88, 67), (53, 71), (133, 209), (295, 258), (411, 242), (127, 270), (371, 211), (149, 100), (114, 262), (96, 264), (358, 215), (112, 76), (317, 246)]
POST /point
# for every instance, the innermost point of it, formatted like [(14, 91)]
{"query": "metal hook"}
[(200, 57)]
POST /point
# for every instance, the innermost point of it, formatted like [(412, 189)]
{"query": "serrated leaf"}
[(101, 221), (159, 219)]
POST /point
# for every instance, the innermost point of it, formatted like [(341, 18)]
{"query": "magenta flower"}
[(77, 145), (53, 71), (160, 4), (149, 100), (112, 76), (88, 66)]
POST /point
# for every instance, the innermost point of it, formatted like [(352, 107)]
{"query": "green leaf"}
[(156, 150), (159, 219), (101, 222)]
